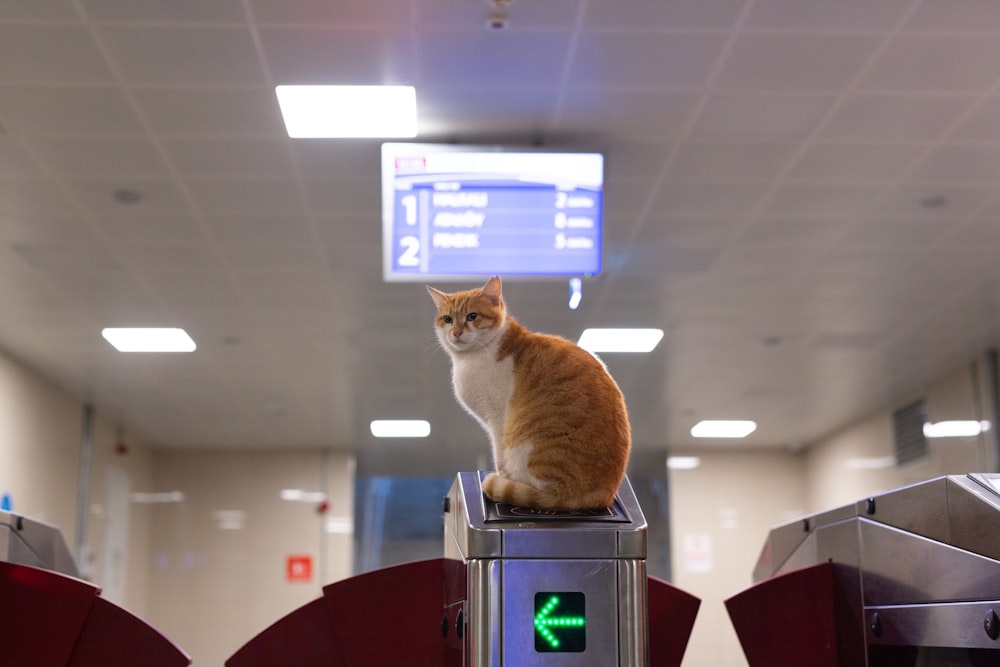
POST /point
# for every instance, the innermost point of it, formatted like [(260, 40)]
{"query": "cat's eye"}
[(471, 316), (447, 319)]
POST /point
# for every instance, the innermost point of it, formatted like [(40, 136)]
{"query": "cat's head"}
[(469, 320)]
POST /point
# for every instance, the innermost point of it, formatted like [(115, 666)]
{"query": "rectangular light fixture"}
[(958, 428), (400, 428), (620, 340), (164, 339), (318, 112), (723, 428), (683, 462)]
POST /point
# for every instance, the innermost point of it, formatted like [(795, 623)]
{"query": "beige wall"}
[(720, 513), (40, 442), (219, 557), (208, 589)]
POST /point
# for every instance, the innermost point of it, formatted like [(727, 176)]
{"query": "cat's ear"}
[(491, 290), (439, 297)]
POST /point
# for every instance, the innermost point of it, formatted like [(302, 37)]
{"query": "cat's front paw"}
[(489, 484)]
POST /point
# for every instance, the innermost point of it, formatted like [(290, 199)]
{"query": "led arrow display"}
[(560, 622)]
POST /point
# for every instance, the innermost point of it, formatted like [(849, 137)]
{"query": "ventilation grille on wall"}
[(908, 433)]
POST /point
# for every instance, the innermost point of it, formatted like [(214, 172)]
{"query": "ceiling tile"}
[(973, 164), (100, 158), (954, 16), (51, 54), (894, 117), (211, 111), (395, 13), (247, 196), (761, 116), (229, 158), (522, 59), (644, 60), (70, 110), (855, 162), (183, 55), (932, 62), (795, 62), (674, 15), (821, 200), (720, 162), (860, 15), (328, 56), (649, 113), (175, 11)]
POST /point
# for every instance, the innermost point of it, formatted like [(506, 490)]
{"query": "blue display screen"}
[(456, 212)]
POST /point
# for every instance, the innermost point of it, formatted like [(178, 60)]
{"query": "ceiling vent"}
[(909, 441)]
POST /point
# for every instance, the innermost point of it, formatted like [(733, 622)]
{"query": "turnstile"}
[(539, 587), (907, 577)]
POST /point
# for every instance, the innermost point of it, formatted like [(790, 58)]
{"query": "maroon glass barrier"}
[(51, 619), (671, 617), (792, 618), (408, 615)]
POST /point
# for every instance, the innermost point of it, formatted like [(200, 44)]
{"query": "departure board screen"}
[(452, 212)]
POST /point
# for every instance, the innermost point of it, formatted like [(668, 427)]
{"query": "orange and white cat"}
[(556, 419)]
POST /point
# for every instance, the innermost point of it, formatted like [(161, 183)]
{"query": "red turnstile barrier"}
[(399, 616), (51, 619), (780, 620), (671, 617)]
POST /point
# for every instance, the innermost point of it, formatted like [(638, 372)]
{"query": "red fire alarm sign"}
[(299, 568)]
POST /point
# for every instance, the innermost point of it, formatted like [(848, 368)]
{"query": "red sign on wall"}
[(299, 568)]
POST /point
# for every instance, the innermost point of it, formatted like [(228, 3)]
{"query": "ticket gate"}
[(49, 617), (517, 587), (572, 583), (908, 577)]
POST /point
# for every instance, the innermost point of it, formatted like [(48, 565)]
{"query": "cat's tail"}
[(504, 490)]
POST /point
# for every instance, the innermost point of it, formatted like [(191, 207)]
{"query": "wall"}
[(40, 436), (721, 512), (220, 556), (857, 461)]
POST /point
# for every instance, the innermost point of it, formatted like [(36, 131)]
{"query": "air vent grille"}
[(908, 433)]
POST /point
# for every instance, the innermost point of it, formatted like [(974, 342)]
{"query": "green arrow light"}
[(564, 632)]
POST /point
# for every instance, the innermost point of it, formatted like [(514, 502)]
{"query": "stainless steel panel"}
[(596, 579), (920, 508), (903, 568), (633, 613), (29, 542), (973, 512), (566, 541), (956, 624), (477, 537), (485, 611)]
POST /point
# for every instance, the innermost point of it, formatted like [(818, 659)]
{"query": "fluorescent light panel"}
[(683, 462), (723, 428), (620, 340), (317, 112), (957, 428), (149, 339), (400, 428)]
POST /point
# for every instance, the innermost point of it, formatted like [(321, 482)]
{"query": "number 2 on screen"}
[(411, 251)]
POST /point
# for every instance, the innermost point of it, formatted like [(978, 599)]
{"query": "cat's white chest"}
[(484, 386)]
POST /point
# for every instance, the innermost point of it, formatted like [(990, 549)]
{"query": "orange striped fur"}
[(556, 419)]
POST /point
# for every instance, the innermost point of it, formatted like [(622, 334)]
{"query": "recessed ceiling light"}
[(316, 112), (620, 340), (683, 462), (149, 339), (955, 428), (723, 428), (400, 428)]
